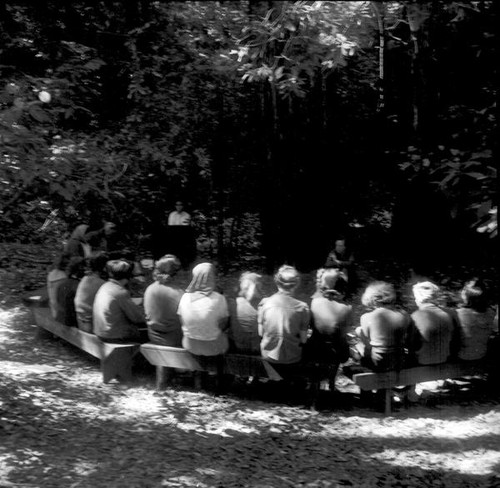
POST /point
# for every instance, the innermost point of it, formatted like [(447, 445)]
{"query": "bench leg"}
[(163, 376), (117, 365), (198, 379), (388, 397)]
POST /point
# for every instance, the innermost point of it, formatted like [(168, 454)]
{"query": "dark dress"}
[(65, 299)]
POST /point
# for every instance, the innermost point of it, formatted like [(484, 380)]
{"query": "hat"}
[(287, 277)]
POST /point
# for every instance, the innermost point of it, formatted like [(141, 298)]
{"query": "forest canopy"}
[(280, 124)]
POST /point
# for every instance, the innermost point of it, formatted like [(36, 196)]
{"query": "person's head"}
[(166, 267), (119, 269), (426, 292), (379, 294), (287, 278), (330, 283), (203, 280), (79, 232), (179, 206), (97, 262), (473, 295), (76, 267), (340, 246), (109, 228), (251, 286)]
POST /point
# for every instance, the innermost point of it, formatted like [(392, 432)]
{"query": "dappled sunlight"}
[(475, 461)]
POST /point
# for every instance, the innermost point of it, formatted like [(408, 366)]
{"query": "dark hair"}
[(474, 296), (119, 269), (62, 261), (76, 267), (97, 261)]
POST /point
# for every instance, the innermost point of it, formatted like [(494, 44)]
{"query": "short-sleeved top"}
[(384, 329), (244, 330), (160, 304), (201, 315), (281, 319), (115, 315), (84, 298), (65, 298), (330, 316), (436, 328), (179, 218), (475, 329)]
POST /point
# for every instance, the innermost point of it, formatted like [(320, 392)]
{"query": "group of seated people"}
[(93, 295)]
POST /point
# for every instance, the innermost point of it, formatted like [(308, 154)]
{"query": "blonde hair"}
[(378, 294), (426, 292)]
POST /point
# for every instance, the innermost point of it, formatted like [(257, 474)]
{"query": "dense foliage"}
[(281, 124)]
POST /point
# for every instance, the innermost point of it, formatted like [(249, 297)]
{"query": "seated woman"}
[(116, 317), (55, 277), (87, 290), (244, 330), (161, 301), (204, 314), (382, 330), (475, 323), (66, 291), (435, 327), (331, 319), (342, 258), (283, 323)]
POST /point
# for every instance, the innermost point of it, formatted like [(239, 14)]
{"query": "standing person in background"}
[(77, 244), (161, 301), (283, 323), (87, 290), (66, 291), (179, 216), (180, 237)]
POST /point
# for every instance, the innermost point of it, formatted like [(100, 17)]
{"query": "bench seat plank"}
[(419, 374), (116, 359)]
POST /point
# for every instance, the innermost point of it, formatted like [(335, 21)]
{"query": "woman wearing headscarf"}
[(161, 301), (244, 330), (204, 314), (77, 244)]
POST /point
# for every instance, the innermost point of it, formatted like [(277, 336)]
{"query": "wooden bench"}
[(242, 365), (116, 359), (369, 380)]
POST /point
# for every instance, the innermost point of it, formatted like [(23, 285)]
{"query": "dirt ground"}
[(60, 426)]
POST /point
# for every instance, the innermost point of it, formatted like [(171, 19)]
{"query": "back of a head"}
[(250, 286), (119, 269), (426, 292), (474, 296), (166, 267), (378, 294), (287, 278), (330, 282), (203, 280), (97, 261)]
